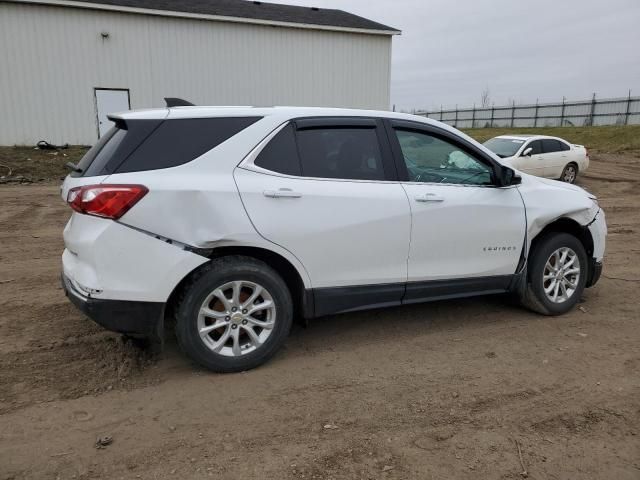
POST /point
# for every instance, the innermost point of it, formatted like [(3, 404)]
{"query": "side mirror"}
[(527, 152), (509, 177)]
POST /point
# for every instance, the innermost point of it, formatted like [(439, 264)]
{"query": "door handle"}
[(429, 197), (281, 193)]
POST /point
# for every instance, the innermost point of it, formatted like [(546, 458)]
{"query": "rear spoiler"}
[(177, 102)]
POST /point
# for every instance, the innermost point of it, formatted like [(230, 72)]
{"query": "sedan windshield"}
[(504, 147)]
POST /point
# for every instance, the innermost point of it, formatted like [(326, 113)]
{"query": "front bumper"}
[(138, 319)]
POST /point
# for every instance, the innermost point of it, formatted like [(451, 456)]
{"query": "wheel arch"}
[(302, 300), (575, 164), (566, 225)]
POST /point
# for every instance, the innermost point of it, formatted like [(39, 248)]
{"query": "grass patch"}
[(28, 164), (613, 139)]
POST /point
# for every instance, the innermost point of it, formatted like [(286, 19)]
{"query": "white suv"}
[(234, 221)]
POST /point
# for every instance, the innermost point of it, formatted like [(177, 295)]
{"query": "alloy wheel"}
[(561, 275), (569, 174), (236, 318)]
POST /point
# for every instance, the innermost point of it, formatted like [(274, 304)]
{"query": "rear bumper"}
[(140, 319)]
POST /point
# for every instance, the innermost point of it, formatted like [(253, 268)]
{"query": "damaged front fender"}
[(548, 201)]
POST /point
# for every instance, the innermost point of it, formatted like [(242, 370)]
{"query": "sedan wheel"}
[(569, 174)]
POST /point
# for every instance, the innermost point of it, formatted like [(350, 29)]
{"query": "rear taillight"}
[(586, 151), (109, 201)]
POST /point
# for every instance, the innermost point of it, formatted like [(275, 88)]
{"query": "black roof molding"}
[(241, 9)]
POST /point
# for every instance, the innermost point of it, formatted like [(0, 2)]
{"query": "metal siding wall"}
[(52, 59)]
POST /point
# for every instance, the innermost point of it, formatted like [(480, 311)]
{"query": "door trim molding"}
[(456, 288), (332, 300)]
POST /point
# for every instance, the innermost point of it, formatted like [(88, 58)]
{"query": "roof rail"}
[(177, 102)]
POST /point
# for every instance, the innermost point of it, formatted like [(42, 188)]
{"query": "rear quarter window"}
[(140, 145), (179, 141)]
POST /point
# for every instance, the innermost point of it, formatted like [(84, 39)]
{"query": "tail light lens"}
[(108, 201)]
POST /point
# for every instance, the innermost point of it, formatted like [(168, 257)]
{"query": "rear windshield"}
[(99, 153), (140, 145)]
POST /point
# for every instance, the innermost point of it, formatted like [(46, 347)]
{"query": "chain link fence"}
[(593, 112)]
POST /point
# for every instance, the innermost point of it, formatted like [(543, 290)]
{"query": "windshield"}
[(504, 147)]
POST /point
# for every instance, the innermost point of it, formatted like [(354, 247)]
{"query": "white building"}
[(65, 64)]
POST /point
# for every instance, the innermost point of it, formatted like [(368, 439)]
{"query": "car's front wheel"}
[(234, 314), (556, 274)]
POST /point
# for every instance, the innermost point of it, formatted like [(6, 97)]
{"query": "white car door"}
[(329, 202), (552, 158), (555, 158), (533, 162), (465, 231)]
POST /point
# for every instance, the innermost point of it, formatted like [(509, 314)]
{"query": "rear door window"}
[(350, 153), (280, 154), (551, 146)]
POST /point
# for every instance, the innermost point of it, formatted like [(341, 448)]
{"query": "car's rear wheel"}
[(234, 314), (570, 173), (556, 274)]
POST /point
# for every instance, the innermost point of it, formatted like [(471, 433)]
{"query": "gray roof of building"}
[(244, 9)]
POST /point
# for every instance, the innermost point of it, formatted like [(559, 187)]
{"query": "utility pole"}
[(513, 111), (593, 109)]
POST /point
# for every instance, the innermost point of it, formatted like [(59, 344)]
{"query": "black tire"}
[(215, 274), (569, 173), (533, 295)]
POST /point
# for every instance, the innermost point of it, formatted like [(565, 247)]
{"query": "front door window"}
[(430, 159)]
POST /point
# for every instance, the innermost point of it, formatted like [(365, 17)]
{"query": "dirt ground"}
[(476, 388)]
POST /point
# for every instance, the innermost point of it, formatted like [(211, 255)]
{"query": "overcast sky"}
[(449, 51)]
